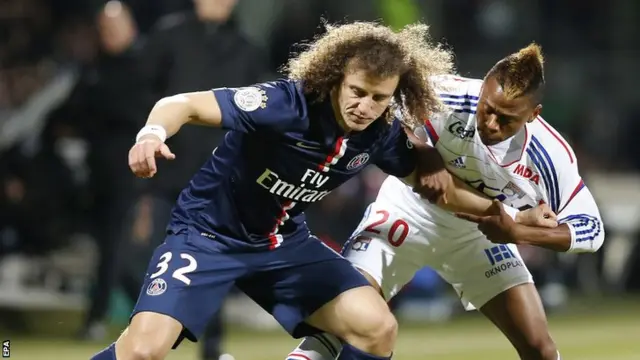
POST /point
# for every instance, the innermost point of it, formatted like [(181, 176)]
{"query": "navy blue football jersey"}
[(283, 152)]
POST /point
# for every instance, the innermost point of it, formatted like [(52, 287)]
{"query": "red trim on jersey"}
[(555, 135), (273, 235), (575, 192), (298, 355), (524, 146), (431, 132), (336, 151)]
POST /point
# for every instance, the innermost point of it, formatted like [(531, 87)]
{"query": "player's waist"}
[(234, 234), (400, 198), (211, 240)]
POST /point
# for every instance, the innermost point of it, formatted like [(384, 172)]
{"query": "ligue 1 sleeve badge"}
[(250, 98)]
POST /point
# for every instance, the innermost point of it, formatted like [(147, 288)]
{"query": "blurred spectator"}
[(108, 104), (194, 51), (25, 196)]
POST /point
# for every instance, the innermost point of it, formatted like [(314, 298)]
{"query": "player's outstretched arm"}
[(462, 197), (166, 118)]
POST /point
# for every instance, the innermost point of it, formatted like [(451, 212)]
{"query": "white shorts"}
[(391, 248)]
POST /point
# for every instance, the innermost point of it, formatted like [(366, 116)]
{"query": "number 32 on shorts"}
[(398, 230), (179, 273)]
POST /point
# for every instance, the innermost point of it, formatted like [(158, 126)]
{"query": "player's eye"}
[(358, 92), (380, 98), (504, 119)]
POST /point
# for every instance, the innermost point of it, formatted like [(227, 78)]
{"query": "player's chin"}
[(358, 124), (489, 141)]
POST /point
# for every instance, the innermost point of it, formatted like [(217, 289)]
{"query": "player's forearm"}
[(557, 239), (465, 199), (171, 113)]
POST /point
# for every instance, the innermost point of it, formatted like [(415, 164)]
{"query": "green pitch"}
[(591, 335)]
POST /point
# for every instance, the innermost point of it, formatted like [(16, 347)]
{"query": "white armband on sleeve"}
[(156, 130), (583, 218)]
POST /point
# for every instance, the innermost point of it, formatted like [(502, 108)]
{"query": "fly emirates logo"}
[(307, 191)]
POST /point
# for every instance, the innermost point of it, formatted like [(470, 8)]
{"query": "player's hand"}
[(433, 186), (540, 216), (432, 180), (498, 226), (142, 156)]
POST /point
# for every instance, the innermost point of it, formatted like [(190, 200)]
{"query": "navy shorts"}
[(189, 277)]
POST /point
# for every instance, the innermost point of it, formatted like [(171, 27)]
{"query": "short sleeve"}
[(397, 157), (277, 105)]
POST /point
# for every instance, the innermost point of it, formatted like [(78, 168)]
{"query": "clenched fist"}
[(541, 216), (142, 156)]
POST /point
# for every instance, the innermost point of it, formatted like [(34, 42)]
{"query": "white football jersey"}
[(535, 166)]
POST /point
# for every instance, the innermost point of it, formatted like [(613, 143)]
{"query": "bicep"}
[(582, 203), (205, 109)]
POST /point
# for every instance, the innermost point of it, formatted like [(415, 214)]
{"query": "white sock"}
[(317, 347), (559, 358)]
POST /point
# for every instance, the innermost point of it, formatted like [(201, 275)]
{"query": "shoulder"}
[(456, 87), (278, 104), (268, 93), (458, 94), (548, 145), (284, 85)]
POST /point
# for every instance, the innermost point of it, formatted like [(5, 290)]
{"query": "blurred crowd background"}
[(78, 77)]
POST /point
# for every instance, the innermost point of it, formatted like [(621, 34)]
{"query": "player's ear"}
[(536, 112)]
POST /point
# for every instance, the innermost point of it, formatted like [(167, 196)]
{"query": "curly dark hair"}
[(379, 51), (521, 73)]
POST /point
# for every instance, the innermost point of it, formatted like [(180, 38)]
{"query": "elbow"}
[(178, 109), (599, 238), (597, 242), (179, 100), (587, 235)]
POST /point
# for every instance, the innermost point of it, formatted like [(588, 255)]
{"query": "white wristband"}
[(511, 211), (156, 130)]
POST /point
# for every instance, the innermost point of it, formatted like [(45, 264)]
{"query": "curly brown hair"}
[(381, 52), (521, 73)]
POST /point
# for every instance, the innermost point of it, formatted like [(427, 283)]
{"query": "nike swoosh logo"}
[(305, 146)]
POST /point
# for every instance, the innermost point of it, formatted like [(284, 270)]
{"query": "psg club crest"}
[(157, 287), (358, 161)]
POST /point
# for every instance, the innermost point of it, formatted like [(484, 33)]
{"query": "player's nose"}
[(491, 124), (365, 107)]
